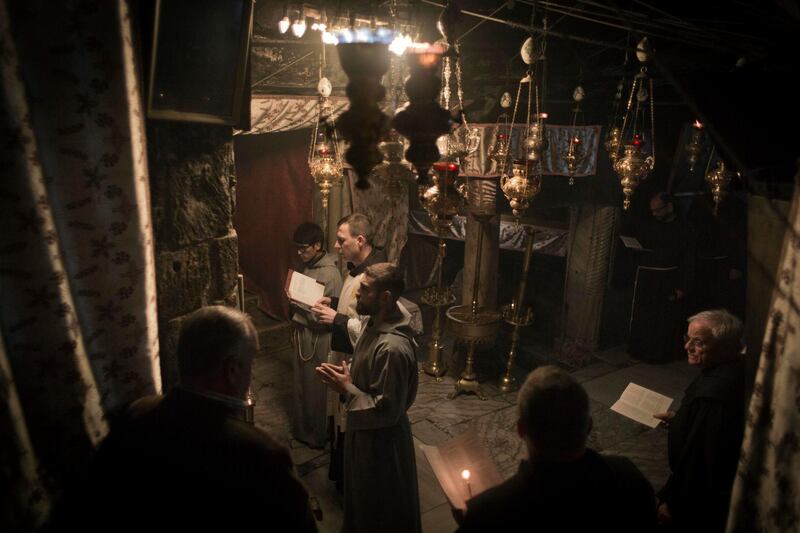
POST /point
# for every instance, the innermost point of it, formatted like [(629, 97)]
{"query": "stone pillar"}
[(192, 181), (591, 240)]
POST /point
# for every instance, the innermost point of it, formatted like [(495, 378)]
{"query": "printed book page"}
[(633, 243), (640, 404), (303, 290)]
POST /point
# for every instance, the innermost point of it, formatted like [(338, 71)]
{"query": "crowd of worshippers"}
[(189, 459)]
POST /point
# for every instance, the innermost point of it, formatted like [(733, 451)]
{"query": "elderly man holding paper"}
[(706, 433)]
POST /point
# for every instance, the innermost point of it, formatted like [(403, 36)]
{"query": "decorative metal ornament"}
[(521, 186), (632, 167), (517, 314), (613, 142), (324, 160), (635, 164), (718, 179), (525, 180), (394, 171), (573, 157), (695, 146), (536, 141), (473, 324), (442, 200)]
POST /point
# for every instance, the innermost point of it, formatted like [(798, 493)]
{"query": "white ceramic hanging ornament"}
[(527, 52), (505, 100), (324, 87), (578, 94)]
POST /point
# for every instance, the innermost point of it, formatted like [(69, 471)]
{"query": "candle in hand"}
[(465, 475)]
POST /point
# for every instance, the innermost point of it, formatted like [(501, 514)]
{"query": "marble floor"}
[(436, 419)]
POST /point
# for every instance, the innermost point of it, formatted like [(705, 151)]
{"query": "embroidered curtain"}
[(78, 308), (766, 493)]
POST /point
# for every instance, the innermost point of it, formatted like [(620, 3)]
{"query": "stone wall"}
[(192, 183)]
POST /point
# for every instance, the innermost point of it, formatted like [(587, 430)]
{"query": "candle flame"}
[(465, 474), (698, 124)]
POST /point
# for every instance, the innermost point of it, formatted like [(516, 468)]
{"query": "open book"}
[(303, 290), (633, 243), (640, 404), (450, 459)]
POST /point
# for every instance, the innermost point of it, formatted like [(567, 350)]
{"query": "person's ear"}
[(317, 246), (361, 241), (386, 297)]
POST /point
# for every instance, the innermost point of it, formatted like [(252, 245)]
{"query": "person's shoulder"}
[(496, 506), (623, 468), (248, 437)]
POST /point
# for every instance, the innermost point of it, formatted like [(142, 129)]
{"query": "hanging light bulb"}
[(283, 24), (299, 25)]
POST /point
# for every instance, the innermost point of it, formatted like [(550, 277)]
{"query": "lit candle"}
[(465, 475)]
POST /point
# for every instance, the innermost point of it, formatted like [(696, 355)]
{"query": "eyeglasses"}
[(694, 341), (302, 247)]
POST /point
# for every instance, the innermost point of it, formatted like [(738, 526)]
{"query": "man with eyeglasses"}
[(312, 340), (706, 433)]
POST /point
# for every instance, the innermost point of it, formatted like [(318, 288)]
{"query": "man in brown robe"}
[(380, 482)]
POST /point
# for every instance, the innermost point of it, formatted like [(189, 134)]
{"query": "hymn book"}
[(640, 404), (633, 243), (302, 290), (449, 459)]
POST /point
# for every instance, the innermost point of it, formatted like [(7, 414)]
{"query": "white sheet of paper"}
[(640, 404)]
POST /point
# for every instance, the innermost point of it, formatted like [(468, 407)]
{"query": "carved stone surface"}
[(192, 179), (183, 278), (224, 255), (191, 175)]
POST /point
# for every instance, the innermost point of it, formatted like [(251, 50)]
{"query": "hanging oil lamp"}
[(521, 186), (632, 167), (718, 179), (635, 163), (573, 158), (394, 172), (324, 160), (695, 146)]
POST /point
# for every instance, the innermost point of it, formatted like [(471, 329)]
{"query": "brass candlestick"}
[(442, 202), (473, 324), (517, 314)]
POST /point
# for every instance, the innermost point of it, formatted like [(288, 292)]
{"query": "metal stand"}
[(472, 325), (518, 316), (437, 297)]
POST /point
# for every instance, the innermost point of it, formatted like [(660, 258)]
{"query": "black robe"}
[(593, 493), (186, 463), (704, 441)]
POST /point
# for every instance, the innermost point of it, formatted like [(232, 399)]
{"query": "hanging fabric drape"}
[(78, 307), (766, 493)]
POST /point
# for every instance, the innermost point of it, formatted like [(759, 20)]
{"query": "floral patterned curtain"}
[(78, 309), (766, 494)]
